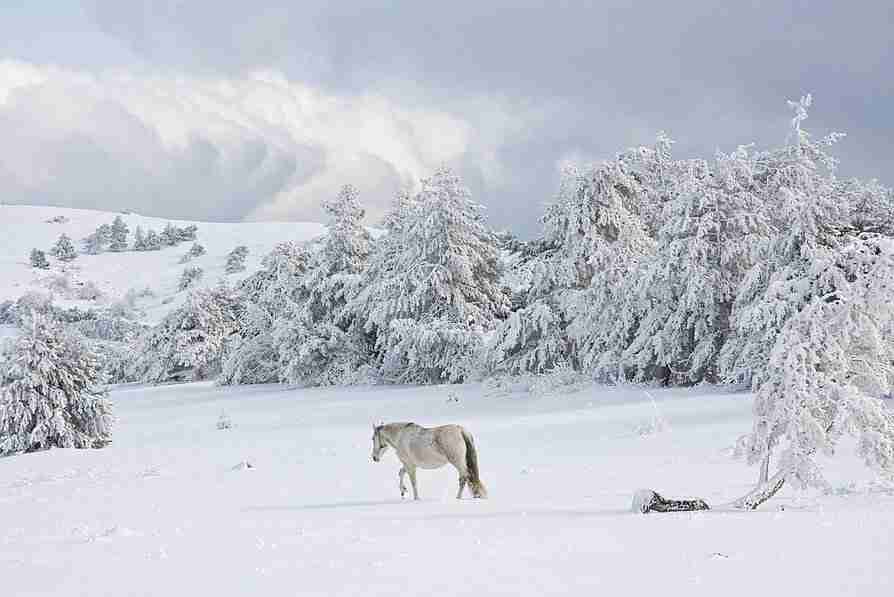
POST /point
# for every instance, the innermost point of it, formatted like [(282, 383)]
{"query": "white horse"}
[(417, 446)]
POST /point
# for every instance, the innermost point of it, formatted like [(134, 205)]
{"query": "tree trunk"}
[(765, 470), (646, 500), (760, 494)]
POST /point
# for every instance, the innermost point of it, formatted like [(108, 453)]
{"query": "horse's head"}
[(379, 444)]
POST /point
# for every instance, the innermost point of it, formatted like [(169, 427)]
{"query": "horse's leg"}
[(400, 476), (411, 470), (459, 463), (462, 485)]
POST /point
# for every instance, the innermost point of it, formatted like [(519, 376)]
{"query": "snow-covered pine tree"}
[(656, 171), (196, 250), (798, 191), (95, 243), (252, 355), (189, 342), (592, 228), (189, 277), (139, 240), (831, 363), (153, 241), (118, 235), (713, 232), (48, 392), (318, 341), (187, 233), (169, 236), (38, 259), (64, 249), (444, 280), (400, 209), (603, 318), (236, 259)]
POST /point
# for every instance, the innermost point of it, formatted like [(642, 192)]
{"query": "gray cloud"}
[(530, 83)]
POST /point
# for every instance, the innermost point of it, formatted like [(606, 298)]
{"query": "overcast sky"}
[(236, 110)]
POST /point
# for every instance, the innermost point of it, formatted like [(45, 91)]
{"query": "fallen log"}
[(646, 500)]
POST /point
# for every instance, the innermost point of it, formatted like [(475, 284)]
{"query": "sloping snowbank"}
[(24, 228)]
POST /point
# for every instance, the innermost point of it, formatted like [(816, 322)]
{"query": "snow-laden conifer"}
[(49, 394), (445, 275), (189, 277), (236, 259), (318, 342), (118, 235), (807, 218), (829, 367), (38, 259), (713, 232), (189, 342), (252, 354), (64, 249)]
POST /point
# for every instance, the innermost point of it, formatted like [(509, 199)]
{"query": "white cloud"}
[(259, 146)]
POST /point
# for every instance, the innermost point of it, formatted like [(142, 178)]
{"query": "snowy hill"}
[(25, 228), (169, 509)]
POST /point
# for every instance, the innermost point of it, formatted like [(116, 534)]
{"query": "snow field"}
[(168, 510)]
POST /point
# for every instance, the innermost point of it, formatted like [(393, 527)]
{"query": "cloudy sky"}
[(235, 110)]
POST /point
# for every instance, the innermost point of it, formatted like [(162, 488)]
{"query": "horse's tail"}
[(478, 488)]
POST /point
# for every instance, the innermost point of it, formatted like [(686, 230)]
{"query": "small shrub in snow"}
[(190, 276), (224, 422), (561, 379), (57, 220), (236, 259), (48, 393), (39, 259), (64, 249), (655, 424)]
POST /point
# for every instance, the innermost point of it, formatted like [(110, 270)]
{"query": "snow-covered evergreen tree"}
[(64, 249), (169, 236), (187, 233), (48, 392), (713, 232), (95, 243), (196, 250), (118, 235), (153, 241), (189, 342), (831, 363), (38, 259), (318, 341), (806, 217), (267, 296), (189, 277), (236, 259), (591, 229), (139, 240), (445, 276)]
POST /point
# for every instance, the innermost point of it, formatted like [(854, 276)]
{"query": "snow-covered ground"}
[(168, 510), (25, 228)]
